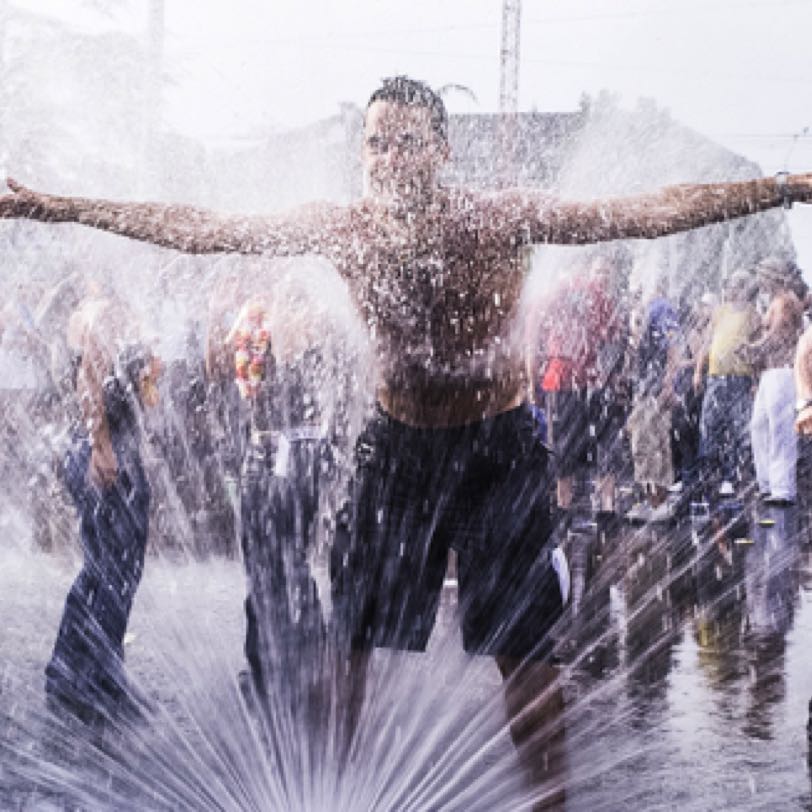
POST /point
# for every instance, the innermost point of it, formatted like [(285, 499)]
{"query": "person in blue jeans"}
[(104, 475), (724, 448)]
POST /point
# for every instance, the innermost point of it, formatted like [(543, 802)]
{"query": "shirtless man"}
[(437, 273), (803, 387)]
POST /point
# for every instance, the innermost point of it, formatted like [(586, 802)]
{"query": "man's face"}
[(402, 153), (602, 271), (740, 291)]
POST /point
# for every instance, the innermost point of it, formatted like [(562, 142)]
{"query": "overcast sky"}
[(739, 71)]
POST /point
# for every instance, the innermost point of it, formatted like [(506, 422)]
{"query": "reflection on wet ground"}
[(686, 673), (690, 668)]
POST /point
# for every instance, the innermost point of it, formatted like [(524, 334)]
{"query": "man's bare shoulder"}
[(790, 299), (788, 306)]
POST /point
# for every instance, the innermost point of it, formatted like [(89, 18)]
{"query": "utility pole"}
[(509, 91), (153, 81), (5, 90), (509, 65)]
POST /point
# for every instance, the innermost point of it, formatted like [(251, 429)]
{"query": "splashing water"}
[(684, 666)]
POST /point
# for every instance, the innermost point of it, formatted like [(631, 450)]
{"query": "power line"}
[(707, 8), (296, 41), (804, 80), (680, 71), (764, 136)]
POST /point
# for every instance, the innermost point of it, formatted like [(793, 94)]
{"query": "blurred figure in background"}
[(727, 403), (610, 396), (225, 411), (115, 376), (687, 406), (280, 372), (192, 514), (803, 384), (775, 442), (25, 404), (55, 411), (289, 367), (650, 421), (569, 330)]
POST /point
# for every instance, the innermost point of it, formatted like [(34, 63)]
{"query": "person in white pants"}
[(772, 429), (773, 437)]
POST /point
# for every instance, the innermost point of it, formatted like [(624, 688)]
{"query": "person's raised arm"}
[(527, 217), (312, 229)]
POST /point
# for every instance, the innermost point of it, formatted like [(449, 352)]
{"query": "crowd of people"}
[(688, 400), (450, 457)]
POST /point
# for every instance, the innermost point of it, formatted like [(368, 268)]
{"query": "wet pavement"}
[(692, 678), (686, 671)]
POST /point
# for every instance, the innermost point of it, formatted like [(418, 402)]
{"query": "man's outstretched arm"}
[(530, 218), (310, 229)]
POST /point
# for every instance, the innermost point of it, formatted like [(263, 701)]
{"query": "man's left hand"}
[(803, 422)]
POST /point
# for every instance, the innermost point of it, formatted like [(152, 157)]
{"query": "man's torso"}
[(785, 324), (439, 292)]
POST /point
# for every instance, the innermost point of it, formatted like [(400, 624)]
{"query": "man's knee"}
[(538, 674)]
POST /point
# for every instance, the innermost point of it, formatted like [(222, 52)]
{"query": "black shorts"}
[(483, 490)]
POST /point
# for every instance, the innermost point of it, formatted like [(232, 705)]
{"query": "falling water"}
[(684, 668)]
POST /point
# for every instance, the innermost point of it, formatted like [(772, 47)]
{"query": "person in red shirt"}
[(580, 330)]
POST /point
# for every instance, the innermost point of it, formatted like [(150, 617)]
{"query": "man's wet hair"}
[(414, 93)]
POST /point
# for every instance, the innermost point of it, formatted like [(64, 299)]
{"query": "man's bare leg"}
[(657, 495), (535, 706), (351, 679), (606, 493), (564, 492)]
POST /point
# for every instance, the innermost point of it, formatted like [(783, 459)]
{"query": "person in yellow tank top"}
[(733, 326), (727, 404)]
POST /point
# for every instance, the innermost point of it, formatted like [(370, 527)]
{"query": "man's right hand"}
[(103, 464), (20, 202)]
